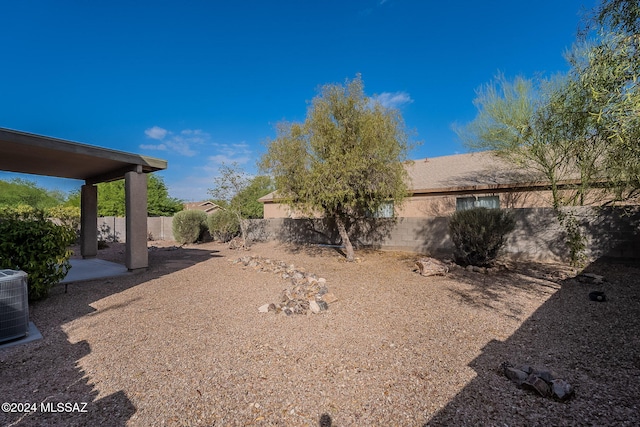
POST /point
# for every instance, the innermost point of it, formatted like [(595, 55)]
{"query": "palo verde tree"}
[(344, 161), (542, 126), (538, 125), (608, 69), (583, 127)]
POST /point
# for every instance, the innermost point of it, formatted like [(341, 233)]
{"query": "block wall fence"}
[(610, 233)]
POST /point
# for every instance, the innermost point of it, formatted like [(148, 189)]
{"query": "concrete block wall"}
[(113, 229), (610, 233), (538, 236)]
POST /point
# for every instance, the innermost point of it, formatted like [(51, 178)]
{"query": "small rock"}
[(314, 307), (323, 305), (264, 308), (596, 279), (322, 280), (537, 384), (561, 389), (546, 375), (515, 375), (598, 296)]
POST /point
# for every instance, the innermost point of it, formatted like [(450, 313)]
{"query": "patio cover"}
[(41, 155)]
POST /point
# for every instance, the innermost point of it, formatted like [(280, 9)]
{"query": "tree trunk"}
[(345, 238), (243, 230)]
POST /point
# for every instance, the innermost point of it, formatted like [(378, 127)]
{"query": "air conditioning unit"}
[(14, 305)]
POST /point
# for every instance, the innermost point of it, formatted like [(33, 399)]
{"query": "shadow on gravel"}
[(593, 345), (494, 291), (46, 373)]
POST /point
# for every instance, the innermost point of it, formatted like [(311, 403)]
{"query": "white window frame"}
[(470, 202)]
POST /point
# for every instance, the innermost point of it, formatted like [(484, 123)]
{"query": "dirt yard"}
[(183, 344)]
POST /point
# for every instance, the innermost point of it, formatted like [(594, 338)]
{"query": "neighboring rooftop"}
[(205, 206), (464, 171), (459, 172)]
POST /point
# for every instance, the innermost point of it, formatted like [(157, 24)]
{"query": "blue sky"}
[(198, 83)]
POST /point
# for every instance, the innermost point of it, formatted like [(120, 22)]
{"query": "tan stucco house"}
[(441, 185)]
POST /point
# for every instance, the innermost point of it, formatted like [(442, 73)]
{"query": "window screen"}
[(489, 202), (384, 211)]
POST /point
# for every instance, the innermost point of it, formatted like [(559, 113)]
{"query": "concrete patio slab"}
[(91, 269)]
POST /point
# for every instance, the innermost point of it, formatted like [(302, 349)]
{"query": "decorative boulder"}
[(431, 267)]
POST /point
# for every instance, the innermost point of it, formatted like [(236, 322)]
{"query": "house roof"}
[(470, 171), (206, 206), (480, 171)]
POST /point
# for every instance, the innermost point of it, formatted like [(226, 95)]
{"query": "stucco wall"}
[(611, 232), (429, 205), (112, 228), (538, 235)]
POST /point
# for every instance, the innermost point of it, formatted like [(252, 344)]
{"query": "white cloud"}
[(392, 99), (231, 153), (181, 147), (156, 132), (219, 159), (196, 159), (181, 143)]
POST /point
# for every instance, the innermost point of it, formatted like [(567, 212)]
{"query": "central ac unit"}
[(14, 305)]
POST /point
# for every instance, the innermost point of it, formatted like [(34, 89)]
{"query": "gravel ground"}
[(183, 344)]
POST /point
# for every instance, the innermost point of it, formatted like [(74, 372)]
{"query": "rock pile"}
[(543, 381), (306, 294)]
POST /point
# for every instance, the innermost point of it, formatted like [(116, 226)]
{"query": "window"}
[(490, 202), (385, 210)]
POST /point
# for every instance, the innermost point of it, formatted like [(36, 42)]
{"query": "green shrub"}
[(223, 225), (32, 243), (479, 234), (66, 215), (189, 226)]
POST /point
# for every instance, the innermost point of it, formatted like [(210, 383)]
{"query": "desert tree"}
[(539, 125), (543, 126), (344, 161), (608, 69), (238, 192)]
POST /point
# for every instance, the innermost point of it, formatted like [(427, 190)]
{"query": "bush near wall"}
[(30, 242), (189, 226), (479, 234), (223, 225)]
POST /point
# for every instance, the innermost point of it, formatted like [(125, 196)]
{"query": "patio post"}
[(89, 221), (136, 255)]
